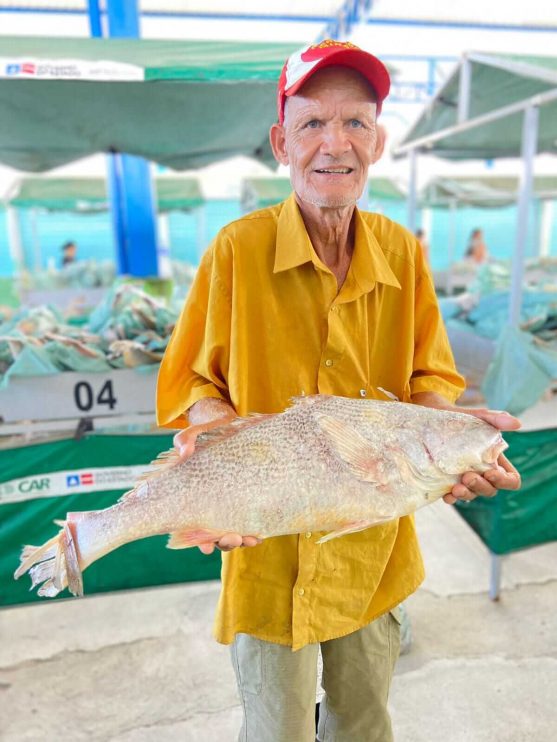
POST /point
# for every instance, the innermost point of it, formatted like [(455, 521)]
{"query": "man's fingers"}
[(499, 419), (184, 442), (251, 541), (505, 477), (230, 541), (472, 484)]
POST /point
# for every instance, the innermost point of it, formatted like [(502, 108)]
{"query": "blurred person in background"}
[(314, 296), (476, 250), (69, 253), (424, 244)]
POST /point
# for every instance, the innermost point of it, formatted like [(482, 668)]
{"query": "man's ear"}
[(278, 143), (380, 143)]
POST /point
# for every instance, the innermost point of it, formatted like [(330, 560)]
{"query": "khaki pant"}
[(277, 686)]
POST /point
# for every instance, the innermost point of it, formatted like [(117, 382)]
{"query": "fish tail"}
[(54, 565)]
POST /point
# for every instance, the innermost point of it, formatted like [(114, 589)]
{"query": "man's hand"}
[(504, 477), (472, 483), (206, 415), (230, 541)]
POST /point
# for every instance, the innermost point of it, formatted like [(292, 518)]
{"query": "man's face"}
[(329, 138)]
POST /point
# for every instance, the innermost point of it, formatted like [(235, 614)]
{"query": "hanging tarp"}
[(86, 195), (527, 517), (89, 195), (178, 194), (41, 482), (258, 193), (385, 189), (496, 81), (183, 104), (482, 191)]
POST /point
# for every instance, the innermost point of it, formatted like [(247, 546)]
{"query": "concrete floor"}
[(142, 666)]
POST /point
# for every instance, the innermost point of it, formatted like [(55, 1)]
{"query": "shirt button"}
[(301, 591), (328, 362), (308, 534)]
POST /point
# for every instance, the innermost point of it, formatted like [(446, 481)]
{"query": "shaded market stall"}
[(85, 281), (484, 192), (496, 106), (182, 104), (492, 106)]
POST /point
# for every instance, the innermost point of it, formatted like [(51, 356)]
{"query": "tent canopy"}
[(183, 104), (496, 82), (90, 194), (483, 191), (258, 193)]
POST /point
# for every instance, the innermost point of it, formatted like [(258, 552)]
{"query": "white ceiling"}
[(533, 12)]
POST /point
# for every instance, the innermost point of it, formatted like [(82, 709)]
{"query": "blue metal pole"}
[(95, 18), (130, 185), (123, 18)]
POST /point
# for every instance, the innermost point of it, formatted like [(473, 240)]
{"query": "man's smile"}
[(334, 170)]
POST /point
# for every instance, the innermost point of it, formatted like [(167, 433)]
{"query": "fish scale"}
[(327, 464)]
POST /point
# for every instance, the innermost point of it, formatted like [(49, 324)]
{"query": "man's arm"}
[(473, 484)]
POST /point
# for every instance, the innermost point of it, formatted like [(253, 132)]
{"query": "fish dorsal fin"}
[(361, 456), (303, 400), (220, 432)]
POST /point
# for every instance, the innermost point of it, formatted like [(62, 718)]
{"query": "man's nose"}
[(335, 141)]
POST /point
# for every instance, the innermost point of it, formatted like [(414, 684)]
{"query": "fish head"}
[(462, 442)]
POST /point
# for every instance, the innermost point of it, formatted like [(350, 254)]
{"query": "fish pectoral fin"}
[(359, 525), (193, 537), (361, 456)]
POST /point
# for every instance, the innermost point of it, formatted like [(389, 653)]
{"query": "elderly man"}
[(314, 296)]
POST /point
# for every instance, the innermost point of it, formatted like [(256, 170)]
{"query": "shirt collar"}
[(369, 264), (293, 248)]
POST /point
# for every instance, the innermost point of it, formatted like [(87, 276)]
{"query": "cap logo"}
[(313, 51)]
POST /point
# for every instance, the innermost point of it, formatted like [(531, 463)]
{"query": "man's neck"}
[(331, 232)]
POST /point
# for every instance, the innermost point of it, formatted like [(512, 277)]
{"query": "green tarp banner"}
[(24, 472), (516, 520), (183, 104)]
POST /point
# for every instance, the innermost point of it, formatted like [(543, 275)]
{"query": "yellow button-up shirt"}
[(263, 322)]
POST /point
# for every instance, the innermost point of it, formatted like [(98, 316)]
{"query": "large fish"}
[(327, 464)]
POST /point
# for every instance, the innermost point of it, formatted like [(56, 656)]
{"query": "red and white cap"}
[(301, 65)]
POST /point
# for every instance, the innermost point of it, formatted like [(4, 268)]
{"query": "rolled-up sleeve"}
[(196, 361)]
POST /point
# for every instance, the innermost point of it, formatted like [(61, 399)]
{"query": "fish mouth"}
[(491, 454)]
